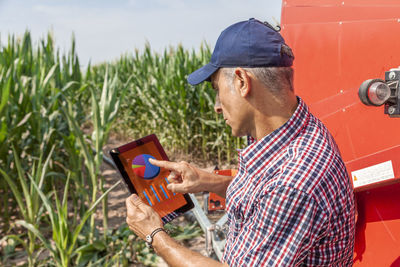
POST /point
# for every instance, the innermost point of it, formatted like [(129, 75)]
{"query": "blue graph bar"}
[(155, 193), (148, 199), (165, 194)]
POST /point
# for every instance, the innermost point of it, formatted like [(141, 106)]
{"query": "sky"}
[(104, 30)]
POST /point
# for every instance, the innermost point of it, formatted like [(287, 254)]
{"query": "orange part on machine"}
[(216, 202), (338, 45)]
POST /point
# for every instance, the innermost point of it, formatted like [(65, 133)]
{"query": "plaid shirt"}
[(291, 203)]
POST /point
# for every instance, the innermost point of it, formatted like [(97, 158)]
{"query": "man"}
[(291, 203)]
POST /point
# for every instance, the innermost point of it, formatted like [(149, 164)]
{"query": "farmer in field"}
[(291, 203)]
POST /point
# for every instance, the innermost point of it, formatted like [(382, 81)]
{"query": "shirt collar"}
[(276, 140)]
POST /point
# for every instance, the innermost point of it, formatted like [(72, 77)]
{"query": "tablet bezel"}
[(139, 142)]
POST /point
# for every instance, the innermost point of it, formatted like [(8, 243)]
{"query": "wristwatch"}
[(149, 238)]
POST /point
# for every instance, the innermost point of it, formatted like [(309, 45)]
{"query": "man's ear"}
[(242, 82)]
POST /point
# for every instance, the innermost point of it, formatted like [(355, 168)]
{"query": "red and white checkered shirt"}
[(291, 203)]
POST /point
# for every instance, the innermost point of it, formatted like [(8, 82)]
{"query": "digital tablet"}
[(148, 181)]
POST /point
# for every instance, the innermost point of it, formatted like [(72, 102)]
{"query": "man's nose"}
[(217, 105)]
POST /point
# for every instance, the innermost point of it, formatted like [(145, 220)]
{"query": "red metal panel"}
[(338, 45), (378, 225), (338, 10), (332, 59)]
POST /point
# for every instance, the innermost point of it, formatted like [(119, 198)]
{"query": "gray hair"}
[(276, 79)]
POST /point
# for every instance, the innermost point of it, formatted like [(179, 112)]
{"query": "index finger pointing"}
[(172, 166)]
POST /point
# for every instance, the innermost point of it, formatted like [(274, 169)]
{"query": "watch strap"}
[(149, 238)]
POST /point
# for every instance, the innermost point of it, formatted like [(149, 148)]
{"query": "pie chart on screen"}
[(143, 168)]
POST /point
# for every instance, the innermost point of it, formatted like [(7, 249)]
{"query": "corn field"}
[(50, 179)]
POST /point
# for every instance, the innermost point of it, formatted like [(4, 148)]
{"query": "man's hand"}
[(184, 178), (141, 218)]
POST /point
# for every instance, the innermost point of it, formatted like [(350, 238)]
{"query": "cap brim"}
[(202, 74)]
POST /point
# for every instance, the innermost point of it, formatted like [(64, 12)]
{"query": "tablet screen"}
[(149, 181)]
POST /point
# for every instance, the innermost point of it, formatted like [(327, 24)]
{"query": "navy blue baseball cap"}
[(247, 44)]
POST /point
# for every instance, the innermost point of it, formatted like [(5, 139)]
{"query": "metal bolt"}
[(391, 110), (392, 75)]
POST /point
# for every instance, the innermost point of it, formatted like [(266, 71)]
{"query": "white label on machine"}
[(376, 173)]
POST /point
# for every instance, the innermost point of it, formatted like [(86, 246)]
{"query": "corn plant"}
[(30, 83), (64, 249), (103, 113), (28, 200), (46, 151)]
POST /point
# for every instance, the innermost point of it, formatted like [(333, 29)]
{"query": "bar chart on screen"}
[(157, 193)]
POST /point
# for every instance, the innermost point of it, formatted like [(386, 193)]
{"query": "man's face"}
[(230, 103)]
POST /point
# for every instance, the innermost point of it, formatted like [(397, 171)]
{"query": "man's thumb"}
[(138, 202), (134, 199)]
